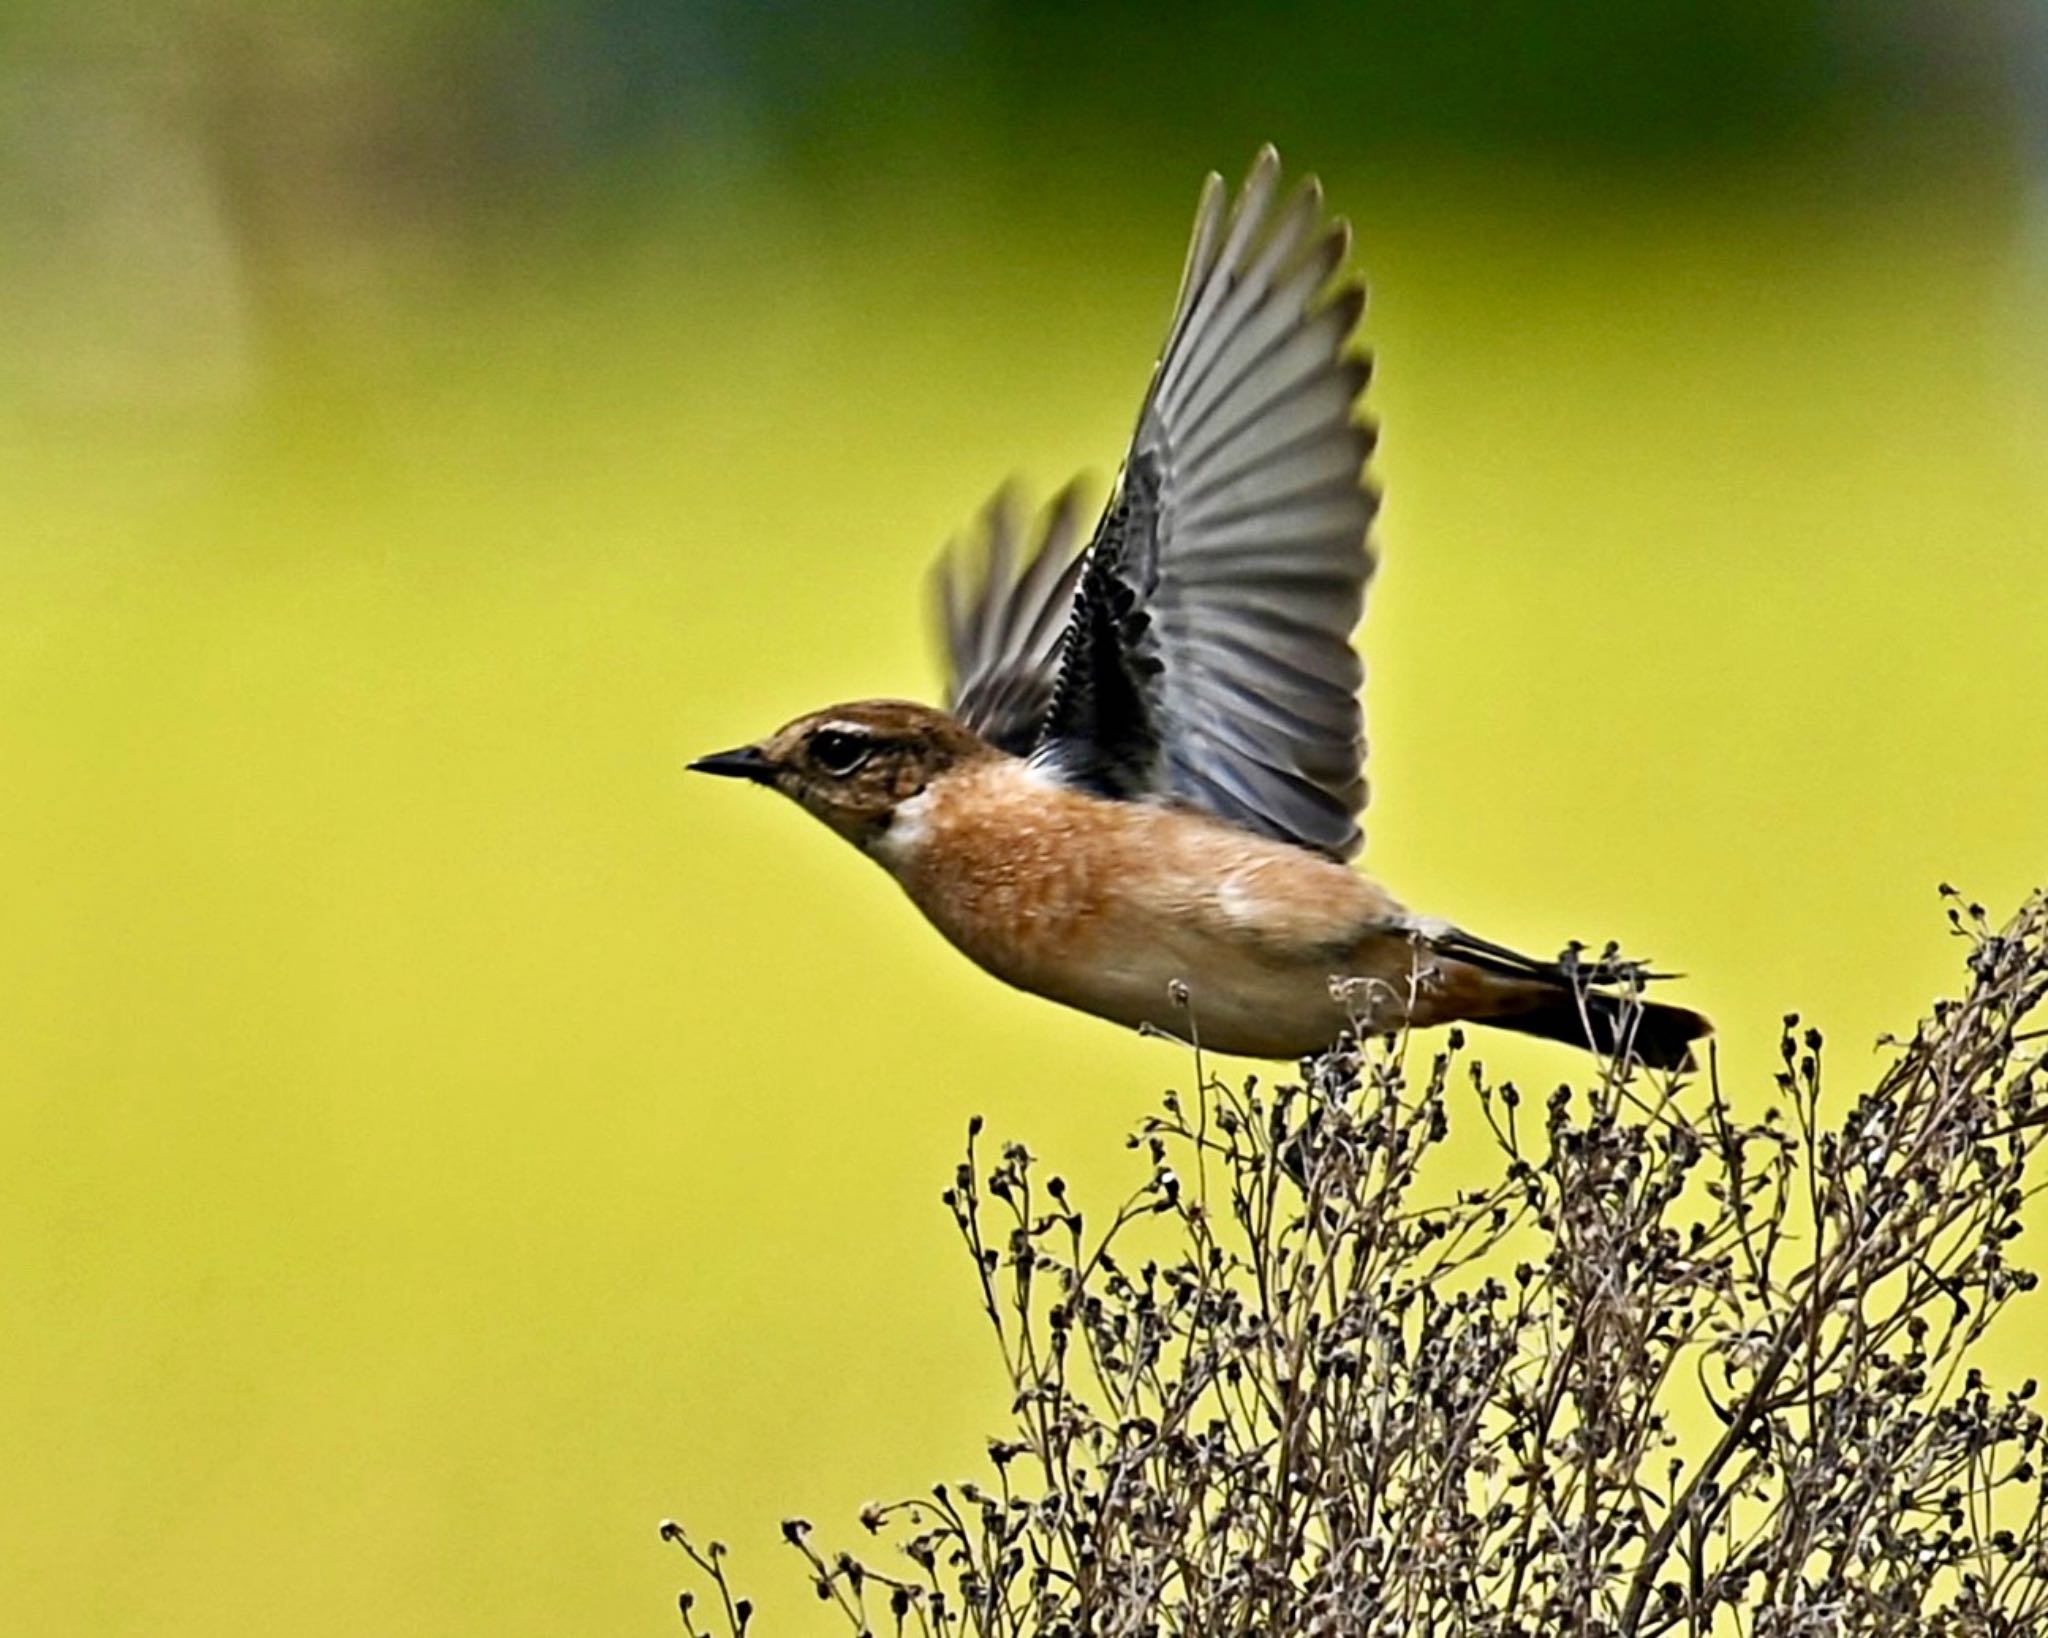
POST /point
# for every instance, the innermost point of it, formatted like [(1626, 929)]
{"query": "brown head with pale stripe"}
[(853, 765)]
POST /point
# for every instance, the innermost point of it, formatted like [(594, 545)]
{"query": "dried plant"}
[(1675, 1370)]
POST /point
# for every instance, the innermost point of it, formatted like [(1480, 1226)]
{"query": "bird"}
[(1141, 798)]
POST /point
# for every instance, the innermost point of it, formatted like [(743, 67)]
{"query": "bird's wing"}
[(1002, 601), (1209, 657)]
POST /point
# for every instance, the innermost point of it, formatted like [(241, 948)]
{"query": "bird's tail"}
[(1655, 1033), (1592, 1005)]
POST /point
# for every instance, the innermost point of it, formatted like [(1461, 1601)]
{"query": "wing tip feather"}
[(1281, 267)]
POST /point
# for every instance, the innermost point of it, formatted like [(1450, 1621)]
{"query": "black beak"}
[(745, 763)]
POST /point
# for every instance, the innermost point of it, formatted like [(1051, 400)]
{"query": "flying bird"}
[(1143, 793)]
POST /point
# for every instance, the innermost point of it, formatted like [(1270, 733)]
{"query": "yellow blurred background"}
[(442, 1138)]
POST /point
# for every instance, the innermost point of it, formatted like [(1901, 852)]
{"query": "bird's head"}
[(854, 765)]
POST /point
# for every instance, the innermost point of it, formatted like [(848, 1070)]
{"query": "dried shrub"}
[(1675, 1369)]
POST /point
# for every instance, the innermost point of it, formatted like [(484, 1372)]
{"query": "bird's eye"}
[(838, 752)]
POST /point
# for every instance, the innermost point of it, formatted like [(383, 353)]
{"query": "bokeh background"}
[(440, 1138)]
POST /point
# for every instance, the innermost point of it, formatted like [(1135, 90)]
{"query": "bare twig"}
[(1309, 1392)]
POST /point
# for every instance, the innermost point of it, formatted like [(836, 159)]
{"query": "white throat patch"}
[(909, 828)]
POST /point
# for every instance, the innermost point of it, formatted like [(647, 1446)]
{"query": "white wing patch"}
[(1241, 903)]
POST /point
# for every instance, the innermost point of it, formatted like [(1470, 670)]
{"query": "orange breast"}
[(1106, 905)]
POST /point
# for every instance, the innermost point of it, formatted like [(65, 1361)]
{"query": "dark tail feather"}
[(1656, 1034), (1556, 1002)]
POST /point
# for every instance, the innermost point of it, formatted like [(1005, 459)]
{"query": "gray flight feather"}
[(1199, 650), (1240, 537), (1002, 608)]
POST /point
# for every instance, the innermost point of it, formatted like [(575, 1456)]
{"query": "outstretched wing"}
[(1002, 604), (1209, 657)]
